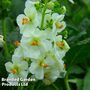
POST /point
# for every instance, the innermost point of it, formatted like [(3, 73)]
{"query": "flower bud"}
[(50, 5), (1, 41), (71, 1), (63, 10)]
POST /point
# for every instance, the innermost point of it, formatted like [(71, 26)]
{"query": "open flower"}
[(58, 24), (61, 46), (18, 55), (17, 70), (56, 68), (35, 44), (29, 20), (37, 68), (47, 64), (51, 75)]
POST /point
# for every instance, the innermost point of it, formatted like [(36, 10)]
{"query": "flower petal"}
[(19, 19), (30, 12), (8, 66), (57, 17), (11, 76), (39, 74), (23, 74), (33, 67), (24, 65), (32, 52)]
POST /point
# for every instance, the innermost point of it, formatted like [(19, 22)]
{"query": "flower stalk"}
[(45, 49), (67, 83), (43, 14), (4, 30)]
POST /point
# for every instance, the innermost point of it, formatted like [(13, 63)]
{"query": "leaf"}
[(79, 84), (87, 81), (17, 7), (76, 70), (87, 2), (85, 41)]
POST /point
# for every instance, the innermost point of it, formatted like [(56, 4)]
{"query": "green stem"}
[(56, 88), (20, 87), (43, 14), (67, 83), (4, 30)]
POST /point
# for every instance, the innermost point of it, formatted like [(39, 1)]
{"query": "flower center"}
[(14, 71), (59, 25), (44, 65), (35, 43), (16, 43), (60, 44), (25, 21)]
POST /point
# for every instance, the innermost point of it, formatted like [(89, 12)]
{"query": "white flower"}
[(36, 68), (51, 75), (58, 24), (29, 21), (61, 46), (1, 41), (35, 44), (47, 64), (56, 69), (18, 55), (17, 70)]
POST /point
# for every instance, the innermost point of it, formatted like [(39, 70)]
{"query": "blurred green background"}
[(77, 60)]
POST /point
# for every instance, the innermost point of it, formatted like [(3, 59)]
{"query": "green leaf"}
[(87, 81), (76, 70), (79, 84), (87, 2)]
